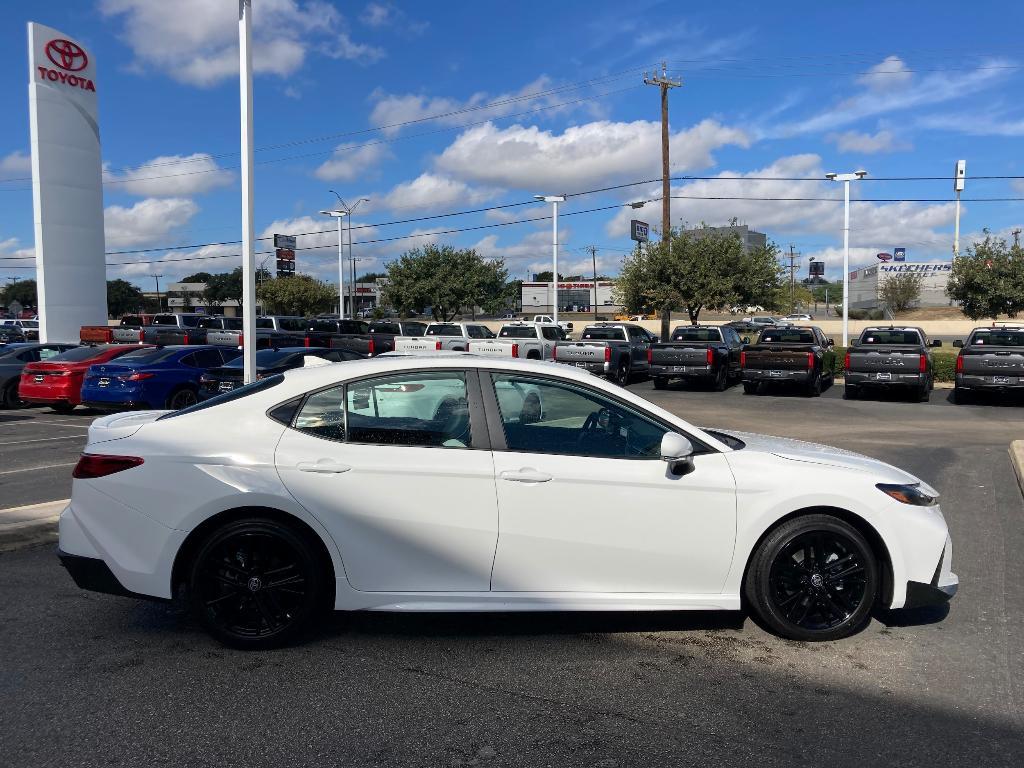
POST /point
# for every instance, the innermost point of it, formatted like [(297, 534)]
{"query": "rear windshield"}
[(517, 332), (787, 336), (697, 334), (264, 322), (604, 334), (445, 329), (385, 328), (187, 321), (77, 355), (998, 338), (227, 397), (132, 321), (29, 323), (291, 324), (149, 355), (885, 336)]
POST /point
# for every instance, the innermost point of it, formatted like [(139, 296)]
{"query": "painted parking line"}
[(43, 440), (40, 423), (36, 469)]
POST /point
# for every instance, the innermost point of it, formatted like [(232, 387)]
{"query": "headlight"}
[(908, 494)]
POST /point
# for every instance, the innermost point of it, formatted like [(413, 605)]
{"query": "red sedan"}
[(57, 382)]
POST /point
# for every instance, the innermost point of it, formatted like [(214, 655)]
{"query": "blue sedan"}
[(164, 377)]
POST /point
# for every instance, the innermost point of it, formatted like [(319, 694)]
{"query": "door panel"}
[(406, 517)]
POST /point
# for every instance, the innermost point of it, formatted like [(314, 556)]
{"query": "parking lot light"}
[(554, 200), (339, 215), (846, 178)]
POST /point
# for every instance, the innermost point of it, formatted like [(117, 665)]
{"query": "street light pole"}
[(339, 215), (248, 228), (846, 178), (348, 209), (554, 200), (157, 278)]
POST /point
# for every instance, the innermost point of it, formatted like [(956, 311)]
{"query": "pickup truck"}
[(128, 331), (992, 360), (796, 356), (565, 325), (615, 350), (533, 341), (883, 358), (453, 337), (707, 353), (198, 333)]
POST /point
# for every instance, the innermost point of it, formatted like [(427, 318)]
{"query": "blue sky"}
[(534, 97)]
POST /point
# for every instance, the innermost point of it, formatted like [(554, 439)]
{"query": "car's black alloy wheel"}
[(813, 578), (9, 397), (183, 398), (255, 583)]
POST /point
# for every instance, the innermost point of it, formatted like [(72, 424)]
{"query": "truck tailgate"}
[(681, 354), (495, 348), (893, 360), (582, 352), (993, 362), (781, 359), (417, 345)]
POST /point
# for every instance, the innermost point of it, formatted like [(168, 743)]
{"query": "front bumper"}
[(683, 371), (800, 376), (990, 383), (865, 379)]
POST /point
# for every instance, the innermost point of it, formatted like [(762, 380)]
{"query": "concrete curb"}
[(30, 525), (1017, 460)]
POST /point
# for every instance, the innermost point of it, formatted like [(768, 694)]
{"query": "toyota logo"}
[(67, 55)]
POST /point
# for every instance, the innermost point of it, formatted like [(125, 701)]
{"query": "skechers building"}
[(866, 282)]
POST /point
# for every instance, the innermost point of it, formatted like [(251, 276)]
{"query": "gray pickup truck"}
[(615, 350), (197, 334), (992, 360), (890, 357), (271, 331), (707, 353), (802, 357)]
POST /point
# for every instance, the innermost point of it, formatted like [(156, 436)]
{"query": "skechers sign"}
[(69, 58), (942, 266)]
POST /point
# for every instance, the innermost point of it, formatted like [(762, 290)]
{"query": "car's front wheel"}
[(813, 578), (256, 583)]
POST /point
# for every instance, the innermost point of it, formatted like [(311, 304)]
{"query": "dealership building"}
[(573, 296), (866, 282)]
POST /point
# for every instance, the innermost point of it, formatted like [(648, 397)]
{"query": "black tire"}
[(813, 387), (621, 375), (850, 392), (256, 584), (923, 393), (962, 396), (813, 578), (721, 379), (9, 397), (182, 398), (660, 382), (750, 387), (62, 408)]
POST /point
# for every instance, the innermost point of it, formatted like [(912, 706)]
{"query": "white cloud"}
[(376, 14), (983, 124), (15, 163), (582, 156), (351, 161), (147, 222), (196, 41), (432, 191), (172, 176), (890, 74), (868, 144), (1018, 186)]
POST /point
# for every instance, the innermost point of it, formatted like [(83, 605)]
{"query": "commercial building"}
[(866, 282), (748, 237), (573, 296)]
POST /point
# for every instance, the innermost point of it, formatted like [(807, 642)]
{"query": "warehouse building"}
[(573, 296), (748, 237), (866, 282)]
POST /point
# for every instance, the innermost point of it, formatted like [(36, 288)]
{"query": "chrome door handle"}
[(525, 476), (323, 467)]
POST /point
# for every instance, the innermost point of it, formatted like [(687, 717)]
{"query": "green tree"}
[(901, 290), (446, 279), (224, 287), (297, 295), (988, 279), (21, 291), (198, 277), (545, 277), (701, 269), (123, 298)]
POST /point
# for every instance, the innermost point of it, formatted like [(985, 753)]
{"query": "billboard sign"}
[(884, 256), (817, 269), (937, 267), (67, 190), (639, 231), (284, 241), (899, 254)]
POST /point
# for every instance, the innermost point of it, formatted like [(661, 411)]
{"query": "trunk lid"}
[(118, 426)]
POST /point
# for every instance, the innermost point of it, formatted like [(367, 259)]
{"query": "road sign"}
[(284, 241), (639, 231), (899, 254), (884, 256)]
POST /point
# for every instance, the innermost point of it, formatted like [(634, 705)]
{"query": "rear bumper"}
[(683, 371), (601, 369), (801, 376), (970, 381), (93, 574), (46, 395), (863, 379)]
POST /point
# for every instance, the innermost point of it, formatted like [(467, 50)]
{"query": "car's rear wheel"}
[(814, 386), (750, 387), (813, 578), (9, 396), (255, 583), (621, 376), (850, 392), (721, 379), (660, 382), (182, 398), (63, 408), (923, 392), (962, 396)]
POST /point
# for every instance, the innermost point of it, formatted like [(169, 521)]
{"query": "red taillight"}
[(185, 339), (743, 359), (370, 348), (142, 336), (607, 354), (139, 376), (650, 356), (96, 465), (437, 345), (554, 352), (810, 361), (959, 363), (515, 350), (846, 362), (711, 356), (306, 342), (241, 339), (922, 365)]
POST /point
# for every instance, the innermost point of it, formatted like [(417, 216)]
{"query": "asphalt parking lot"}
[(89, 679)]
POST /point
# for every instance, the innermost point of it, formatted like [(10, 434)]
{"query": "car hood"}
[(826, 455)]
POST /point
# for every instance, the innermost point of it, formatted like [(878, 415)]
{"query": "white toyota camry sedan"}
[(459, 483)]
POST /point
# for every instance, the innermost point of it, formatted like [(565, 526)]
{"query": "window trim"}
[(496, 428)]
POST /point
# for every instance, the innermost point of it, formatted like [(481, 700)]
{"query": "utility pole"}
[(593, 258), (157, 278), (1015, 233), (664, 83), (792, 278)]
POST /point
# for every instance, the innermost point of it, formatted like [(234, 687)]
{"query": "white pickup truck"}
[(533, 341), (453, 337), (565, 325)]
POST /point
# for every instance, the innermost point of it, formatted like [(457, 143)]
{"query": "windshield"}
[(517, 332), (787, 336), (886, 336), (604, 334), (444, 330), (697, 334), (30, 323), (78, 354), (148, 356), (998, 338)]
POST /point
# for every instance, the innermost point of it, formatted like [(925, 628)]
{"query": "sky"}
[(450, 108)]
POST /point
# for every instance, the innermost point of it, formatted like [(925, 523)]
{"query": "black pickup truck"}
[(888, 357), (707, 353), (196, 334), (801, 356), (992, 360)]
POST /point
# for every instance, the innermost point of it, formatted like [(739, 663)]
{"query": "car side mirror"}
[(958, 343), (677, 451), (831, 342), (936, 343), (745, 339)]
